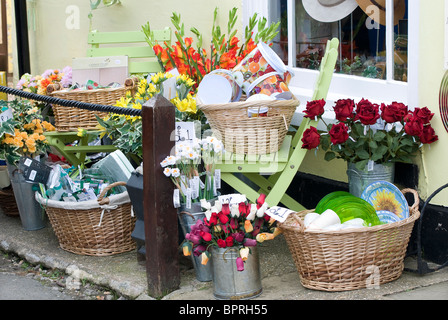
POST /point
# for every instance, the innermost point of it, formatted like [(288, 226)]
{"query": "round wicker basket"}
[(251, 135), (352, 258)]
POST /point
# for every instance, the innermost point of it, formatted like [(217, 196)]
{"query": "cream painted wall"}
[(53, 45), (433, 168)]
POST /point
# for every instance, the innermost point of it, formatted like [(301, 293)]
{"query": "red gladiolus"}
[(338, 133), (221, 243), (188, 41), (310, 139)]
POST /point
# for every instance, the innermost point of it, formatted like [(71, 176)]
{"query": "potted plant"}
[(229, 234), (369, 136), (22, 135)]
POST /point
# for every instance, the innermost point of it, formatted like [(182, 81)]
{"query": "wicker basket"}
[(94, 231), (8, 202), (70, 119), (251, 135), (349, 259)]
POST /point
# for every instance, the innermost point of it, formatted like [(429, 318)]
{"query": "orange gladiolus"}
[(188, 41)]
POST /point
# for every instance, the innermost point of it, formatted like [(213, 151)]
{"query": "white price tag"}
[(278, 213), (218, 178), (176, 198), (234, 198), (184, 132), (6, 115)]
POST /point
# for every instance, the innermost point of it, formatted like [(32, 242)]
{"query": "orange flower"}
[(188, 41)]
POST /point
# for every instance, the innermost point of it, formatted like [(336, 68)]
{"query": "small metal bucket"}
[(32, 215), (188, 218), (231, 284), (358, 180)]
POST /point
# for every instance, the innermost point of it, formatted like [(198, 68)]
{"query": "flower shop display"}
[(232, 227), (369, 137), (336, 248), (126, 131)]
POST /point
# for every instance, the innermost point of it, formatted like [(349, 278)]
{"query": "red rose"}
[(221, 243), (428, 135), (367, 112), (393, 112), (344, 109), (414, 126), (261, 200), (229, 241), (310, 139), (338, 133), (424, 114), (314, 108)]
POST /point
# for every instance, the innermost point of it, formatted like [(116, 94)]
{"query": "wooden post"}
[(160, 216)]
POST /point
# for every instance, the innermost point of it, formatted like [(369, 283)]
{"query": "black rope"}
[(71, 103)]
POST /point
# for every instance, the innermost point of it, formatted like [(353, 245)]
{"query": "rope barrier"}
[(71, 103)]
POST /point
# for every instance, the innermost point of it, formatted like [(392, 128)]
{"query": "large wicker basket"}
[(352, 258), (70, 119), (251, 135), (103, 229)]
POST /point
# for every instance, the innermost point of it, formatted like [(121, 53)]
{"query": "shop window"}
[(375, 61), (360, 27)]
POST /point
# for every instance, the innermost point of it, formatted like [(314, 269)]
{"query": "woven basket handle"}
[(100, 199), (416, 198)]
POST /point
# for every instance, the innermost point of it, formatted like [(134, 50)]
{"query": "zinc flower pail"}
[(187, 218), (231, 284), (32, 215), (358, 180)]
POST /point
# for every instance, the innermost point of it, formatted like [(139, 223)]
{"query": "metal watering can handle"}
[(359, 175)]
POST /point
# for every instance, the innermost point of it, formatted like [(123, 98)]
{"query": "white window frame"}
[(348, 86)]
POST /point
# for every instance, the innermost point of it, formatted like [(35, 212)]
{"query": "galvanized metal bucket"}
[(188, 218), (231, 284), (32, 215), (358, 180)]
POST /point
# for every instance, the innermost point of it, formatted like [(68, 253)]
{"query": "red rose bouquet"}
[(366, 131), (241, 226)]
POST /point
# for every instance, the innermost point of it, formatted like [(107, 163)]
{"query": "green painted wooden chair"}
[(280, 167), (141, 60)]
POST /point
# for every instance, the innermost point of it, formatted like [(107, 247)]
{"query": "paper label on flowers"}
[(185, 133), (5, 115), (278, 213), (234, 198)]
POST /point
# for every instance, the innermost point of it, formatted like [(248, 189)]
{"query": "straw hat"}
[(399, 9), (329, 10)]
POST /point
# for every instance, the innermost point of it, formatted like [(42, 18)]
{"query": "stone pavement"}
[(123, 274)]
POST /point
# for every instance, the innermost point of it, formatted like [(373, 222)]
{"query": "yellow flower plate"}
[(384, 196)]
